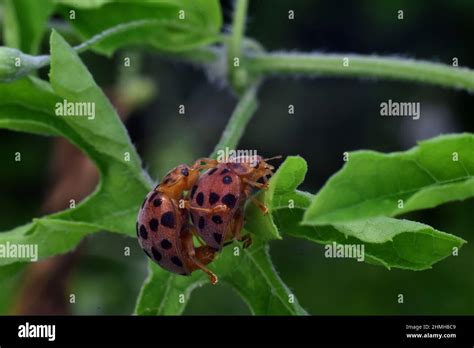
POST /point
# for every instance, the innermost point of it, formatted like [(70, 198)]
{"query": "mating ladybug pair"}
[(214, 200)]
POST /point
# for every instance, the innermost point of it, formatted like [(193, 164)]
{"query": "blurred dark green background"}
[(332, 115)]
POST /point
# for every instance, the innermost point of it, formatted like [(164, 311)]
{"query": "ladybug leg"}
[(255, 184), (208, 163), (217, 209), (247, 241), (268, 174), (203, 253), (259, 205), (220, 208), (237, 228)]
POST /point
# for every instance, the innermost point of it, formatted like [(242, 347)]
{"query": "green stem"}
[(235, 45), (238, 24), (362, 66), (237, 123)]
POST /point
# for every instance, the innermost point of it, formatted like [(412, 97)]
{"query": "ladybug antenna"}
[(272, 158)]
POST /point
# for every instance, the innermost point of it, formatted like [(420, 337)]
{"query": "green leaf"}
[(160, 293), (286, 179), (10, 278), (158, 24), (387, 241), (83, 3), (373, 184), (251, 274), (29, 105), (25, 23)]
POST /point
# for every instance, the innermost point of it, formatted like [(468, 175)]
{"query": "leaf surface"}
[(24, 23), (286, 179), (168, 25), (373, 184), (250, 273), (29, 105), (387, 241)]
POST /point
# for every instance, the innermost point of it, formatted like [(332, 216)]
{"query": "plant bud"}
[(15, 64)]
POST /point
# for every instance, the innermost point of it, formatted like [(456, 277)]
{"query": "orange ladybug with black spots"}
[(163, 228), (231, 184)]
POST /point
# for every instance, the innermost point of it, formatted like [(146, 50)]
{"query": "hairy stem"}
[(234, 49), (362, 66), (260, 63), (238, 24), (241, 116)]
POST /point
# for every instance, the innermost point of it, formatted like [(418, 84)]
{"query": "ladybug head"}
[(252, 166), (179, 179)]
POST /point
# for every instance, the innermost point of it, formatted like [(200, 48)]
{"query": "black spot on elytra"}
[(185, 171), (156, 254), (193, 191), (217, 237), (143, 232), (153, 224), (229, 200), (153, 195), (157, 202), (167, 219), (212, 171), (201, 223), (200, 198), (177, 261), (213, 198), (227, 180), (224, 171), (217, 219), (166, 244)]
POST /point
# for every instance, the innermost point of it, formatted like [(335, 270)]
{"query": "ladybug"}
[(230, 183), (163, 228)]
